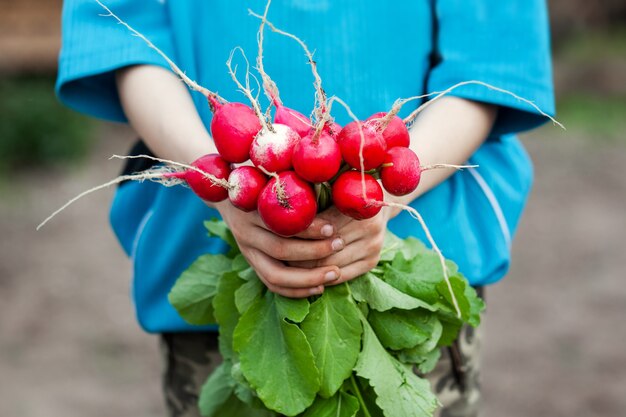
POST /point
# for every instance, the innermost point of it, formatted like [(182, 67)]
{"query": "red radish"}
[(348, 195), (401, 171), (317, 159), (374, 146), (234, 127), (204, 187), (287, 204), (246, 183), (396, 132), (333, 129), (292, 118), (273, 150)]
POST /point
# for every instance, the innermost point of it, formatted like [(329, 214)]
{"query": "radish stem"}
[(357, 392)]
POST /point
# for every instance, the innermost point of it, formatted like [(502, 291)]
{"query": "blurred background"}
[(555, 327)]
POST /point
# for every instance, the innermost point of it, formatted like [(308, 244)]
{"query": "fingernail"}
[(317, 290), (327, 230), (331, 276), (337, 244)]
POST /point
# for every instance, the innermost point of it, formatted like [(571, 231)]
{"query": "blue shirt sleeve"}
[(503, 43), (94, 46)]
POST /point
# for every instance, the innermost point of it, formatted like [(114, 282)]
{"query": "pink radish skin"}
[(234, 127), (292, 118), (317, 160), (290, 208), (201, 185), (348, 195), (273, 150), (246, 184), (374, 147), (333, 129), (396, 132), (402, 175)]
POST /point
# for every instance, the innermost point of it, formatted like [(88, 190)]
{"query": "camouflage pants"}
[(190, 357)]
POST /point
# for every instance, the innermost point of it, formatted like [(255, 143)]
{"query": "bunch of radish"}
[(295, 160), (293, 166), (286, 168)]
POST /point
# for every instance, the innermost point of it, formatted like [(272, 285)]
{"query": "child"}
[(367, 54)]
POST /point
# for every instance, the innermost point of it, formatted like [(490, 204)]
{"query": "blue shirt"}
[(369, 55)]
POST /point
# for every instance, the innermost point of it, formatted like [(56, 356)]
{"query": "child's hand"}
[(266, 251), (363, 241)]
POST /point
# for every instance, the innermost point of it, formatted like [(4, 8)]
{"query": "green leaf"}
[(226, 311), (381, 296), (242, 389), (247, 294), (429, 361), (219, 229), (409, 247), (249, 274), (477, 305), (294, 309), (402, 329), (451, 327), (193, 292), (240, 263), (367, 394), (468, 301), (416, 353), (216, 390), (276, 357), (340, 405), (419, 276), (233, 407), (400, 392), (333, 328)]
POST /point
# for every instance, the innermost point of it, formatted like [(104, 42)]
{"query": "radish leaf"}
[(333, 329), (381, 296), (340, 405), (402, 329), (226, 312), (400, 392), (193, 292), (276, 358)]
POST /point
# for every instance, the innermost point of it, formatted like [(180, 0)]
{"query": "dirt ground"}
[(555, 329)]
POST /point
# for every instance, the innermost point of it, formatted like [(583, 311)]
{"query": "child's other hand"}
[(267, 252), (363, 241)]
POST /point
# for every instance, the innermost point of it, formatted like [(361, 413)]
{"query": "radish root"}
[(246, 90), (214, 180), (446, 166), (438, 94), (269, 86), (157, 175), (210, 95), (320, 94)]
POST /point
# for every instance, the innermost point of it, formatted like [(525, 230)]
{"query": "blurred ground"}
[(554, 330)]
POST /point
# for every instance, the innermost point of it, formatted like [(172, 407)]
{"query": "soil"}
[(70, 345)]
